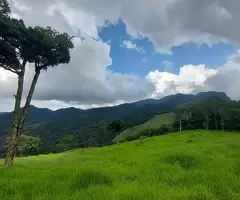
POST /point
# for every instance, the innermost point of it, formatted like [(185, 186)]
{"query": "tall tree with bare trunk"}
[(13, 59), (19, 45)]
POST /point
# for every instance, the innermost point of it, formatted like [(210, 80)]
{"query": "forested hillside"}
[(89, 126)]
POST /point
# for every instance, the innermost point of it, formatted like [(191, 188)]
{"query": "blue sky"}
[(131, 61)]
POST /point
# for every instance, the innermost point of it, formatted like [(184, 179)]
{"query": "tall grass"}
[(191, 165)]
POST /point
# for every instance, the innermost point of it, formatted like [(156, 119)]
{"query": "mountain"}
[(52, 125)]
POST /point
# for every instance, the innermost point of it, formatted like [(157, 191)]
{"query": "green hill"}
[(153, 123), (53, 125), (186, 166)]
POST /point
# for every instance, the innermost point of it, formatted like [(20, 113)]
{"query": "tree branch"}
[(11, 70), (42, 67)]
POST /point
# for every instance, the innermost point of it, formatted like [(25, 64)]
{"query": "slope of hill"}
[(189, 165), (154, 123), (52, 125)]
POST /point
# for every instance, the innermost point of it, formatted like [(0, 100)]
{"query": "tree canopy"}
[(4, 8), (47, 48), (212, 114)]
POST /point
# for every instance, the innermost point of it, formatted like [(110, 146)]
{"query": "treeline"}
[(213, 114)]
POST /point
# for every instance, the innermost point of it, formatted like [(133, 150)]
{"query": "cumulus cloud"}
[(227, 78), (129, 45), (192, 79), (189, 79)]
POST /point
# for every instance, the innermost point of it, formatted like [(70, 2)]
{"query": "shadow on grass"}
[(88, 179), (186, 161)]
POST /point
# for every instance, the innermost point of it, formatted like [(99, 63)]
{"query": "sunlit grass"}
[(190, 165)]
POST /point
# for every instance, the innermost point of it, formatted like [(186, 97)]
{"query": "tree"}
[(215, 103), (205, 109), (13, 59), (67, 142), (116, 126), (222, 111), (29, 145), (181, 113), (49, 48), (43, 47)]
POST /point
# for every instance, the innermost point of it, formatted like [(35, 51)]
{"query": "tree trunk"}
[(222, 123), (215, 118), (180, 125), (13, 141), (27, 104), (206, 122)]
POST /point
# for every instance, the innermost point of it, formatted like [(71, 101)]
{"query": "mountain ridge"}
[(52, 125)]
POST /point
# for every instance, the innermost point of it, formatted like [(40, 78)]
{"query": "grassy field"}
[(195, 165), (153, 123)]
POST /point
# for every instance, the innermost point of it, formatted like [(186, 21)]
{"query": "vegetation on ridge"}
[(154, 123)]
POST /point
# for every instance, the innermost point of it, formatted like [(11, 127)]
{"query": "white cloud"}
[(129, 45), (190, 78), (165, 23)]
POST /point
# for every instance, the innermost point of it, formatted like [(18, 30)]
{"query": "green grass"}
[(153, 123), (195, 165)]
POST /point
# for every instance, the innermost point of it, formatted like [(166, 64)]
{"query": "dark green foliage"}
[(28, 145), (97, 135), (116, 126), (12, 42), (213, 114), (4, 8), (67, 142), (46, 47)]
